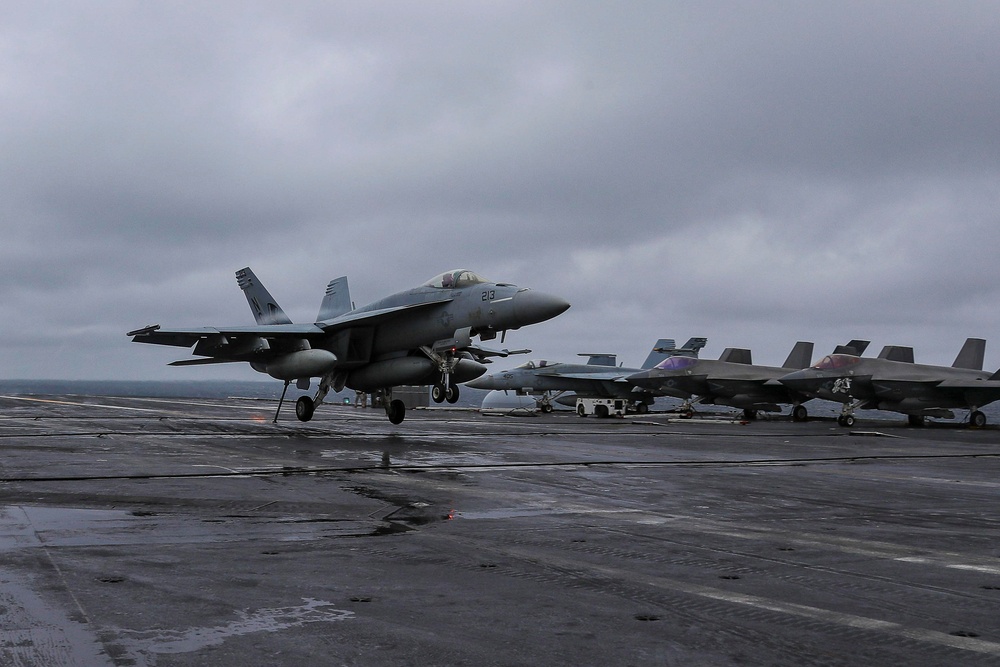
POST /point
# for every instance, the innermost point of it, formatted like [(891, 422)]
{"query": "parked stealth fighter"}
[(598, 378), (730, 380), (422, 335), (893, 382)]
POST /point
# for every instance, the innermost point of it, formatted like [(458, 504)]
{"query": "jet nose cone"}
[(482, 382), (643, 379), (531, 307), (799, 380)]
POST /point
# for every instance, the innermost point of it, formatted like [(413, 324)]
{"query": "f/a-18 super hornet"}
[(730, 380), (893, 382), (422, 335), (600, 377)]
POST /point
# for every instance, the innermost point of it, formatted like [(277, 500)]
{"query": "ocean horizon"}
[(263, 390)]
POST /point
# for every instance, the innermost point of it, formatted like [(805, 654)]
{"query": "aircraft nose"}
[(643, 379), (799, 380), (482, 382), (531, 307)]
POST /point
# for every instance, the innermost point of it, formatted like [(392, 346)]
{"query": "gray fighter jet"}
[(893, 382), (730, 380), (422, 335), (598, 378)]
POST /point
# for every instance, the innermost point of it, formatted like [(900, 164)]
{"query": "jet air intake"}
[(301, 364)]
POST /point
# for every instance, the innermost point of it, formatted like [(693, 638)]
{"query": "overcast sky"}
[(756, 173)]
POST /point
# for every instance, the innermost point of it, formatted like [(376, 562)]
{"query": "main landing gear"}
[(443, 390), (977, 418), (395, 410), (799, 413)]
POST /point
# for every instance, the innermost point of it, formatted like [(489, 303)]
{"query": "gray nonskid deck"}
[(160, 532)]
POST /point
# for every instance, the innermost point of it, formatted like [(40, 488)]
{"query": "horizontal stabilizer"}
[(971, 355), (202, 362)]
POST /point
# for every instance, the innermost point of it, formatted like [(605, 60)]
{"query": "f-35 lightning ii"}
[(598, 378), (731, 380), (893, 382), (422, 335)]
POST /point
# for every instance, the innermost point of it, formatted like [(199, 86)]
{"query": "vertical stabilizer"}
[(800, 356), (971, 355), (601, 359), (337, 300), (666, 347), (897, 353), (855, 347), (265, 308), (736, 355), (691, 347), (661, 350)]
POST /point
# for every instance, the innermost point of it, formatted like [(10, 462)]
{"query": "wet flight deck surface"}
[(193, 531)]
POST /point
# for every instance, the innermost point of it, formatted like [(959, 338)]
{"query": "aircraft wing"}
[(156, 335), (610, 375), (369, 317), (481, 353), (976, 392), (188, 337)]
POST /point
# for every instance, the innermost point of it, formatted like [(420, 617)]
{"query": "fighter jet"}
[(421, 335), (600, 377), (893, 382), (730, 380)]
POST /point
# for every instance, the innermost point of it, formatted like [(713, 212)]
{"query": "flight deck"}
[(164, 532)]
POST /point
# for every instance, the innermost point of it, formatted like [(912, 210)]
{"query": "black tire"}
[(915, 420), (749, 415), (799, 413), (437, 393), (451, 393), (304, 408), (601, 411), (642, 408), (846, 421), (580, 410), (546, 408), (977, 419), (396, 411)]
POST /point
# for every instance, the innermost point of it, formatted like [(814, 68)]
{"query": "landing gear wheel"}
[(914, 420), (749, 414), (396, 411), (846, 420), (304, 408), (642, 408), (451, 393), (546, 408), (438, 393), (799, 413), (977, 419)]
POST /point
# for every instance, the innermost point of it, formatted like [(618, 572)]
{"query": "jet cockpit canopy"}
[(835, 361), (456, 278), (676, 363), (533, 364)]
